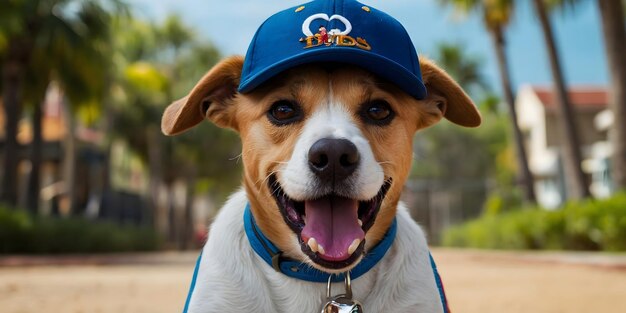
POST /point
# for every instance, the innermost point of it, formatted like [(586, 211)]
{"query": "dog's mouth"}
[(331, 229)]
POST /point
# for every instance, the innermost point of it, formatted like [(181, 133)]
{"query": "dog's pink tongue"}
[(333, 222)]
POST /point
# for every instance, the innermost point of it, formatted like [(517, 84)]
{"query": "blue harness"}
[(298, 270)]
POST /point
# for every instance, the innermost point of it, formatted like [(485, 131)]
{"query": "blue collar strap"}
[(296, 269), (442, 292), (272, 256)]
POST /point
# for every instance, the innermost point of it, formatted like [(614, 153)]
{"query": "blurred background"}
[(99, 212)]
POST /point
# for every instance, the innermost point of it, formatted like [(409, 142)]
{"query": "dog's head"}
[(326, 123), (326, 149)]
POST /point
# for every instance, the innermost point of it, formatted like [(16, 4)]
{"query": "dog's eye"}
[(377, 112), (284, 112)]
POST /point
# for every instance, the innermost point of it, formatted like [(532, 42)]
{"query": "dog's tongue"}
[(333, 222)]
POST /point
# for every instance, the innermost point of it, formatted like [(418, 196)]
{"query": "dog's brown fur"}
[(266, 146)]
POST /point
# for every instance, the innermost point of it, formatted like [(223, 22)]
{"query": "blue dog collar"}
[(295, 269), (262, 246), (341, 31)]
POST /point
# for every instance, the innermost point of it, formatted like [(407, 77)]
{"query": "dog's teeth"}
[(355, 244), (320, 249), (313, 244), (360, 222)]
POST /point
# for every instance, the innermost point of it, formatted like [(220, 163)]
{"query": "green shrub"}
[(585, 225), (502, 201), (24, 234)]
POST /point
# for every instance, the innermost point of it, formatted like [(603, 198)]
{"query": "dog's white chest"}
[(232, 278)]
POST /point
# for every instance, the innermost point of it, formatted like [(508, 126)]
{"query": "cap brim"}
[(372, 62)]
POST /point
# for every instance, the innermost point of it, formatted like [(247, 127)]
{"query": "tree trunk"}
[(108, 126), (188, 225), (522, 158), (155, 162), (615, 42), (12, 80), (69, 161), (576, 180), (172, 220), (36, 145)]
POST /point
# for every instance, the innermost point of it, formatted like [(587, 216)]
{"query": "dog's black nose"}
[(333, 159)]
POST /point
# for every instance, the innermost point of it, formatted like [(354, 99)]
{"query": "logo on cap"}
[(331, 37)]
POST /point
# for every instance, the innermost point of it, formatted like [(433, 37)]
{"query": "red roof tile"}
[(583, 97)]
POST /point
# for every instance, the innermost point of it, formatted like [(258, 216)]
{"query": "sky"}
[(230, 25)]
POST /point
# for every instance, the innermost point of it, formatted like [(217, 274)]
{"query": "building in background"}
[(538, 119), (54, 131), (88, 173)]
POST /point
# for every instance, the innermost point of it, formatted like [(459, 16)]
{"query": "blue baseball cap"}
[(344, 31)]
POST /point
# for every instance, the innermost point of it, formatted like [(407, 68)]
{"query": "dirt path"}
[(475, 282), (119, 289), (479, 282)]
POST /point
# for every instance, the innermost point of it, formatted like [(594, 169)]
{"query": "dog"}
[(326, 123)]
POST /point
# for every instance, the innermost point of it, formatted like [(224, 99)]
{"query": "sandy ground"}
[(475, 282), (90, 289), (515, 283)]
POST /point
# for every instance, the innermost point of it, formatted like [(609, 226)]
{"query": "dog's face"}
[(326, 151)]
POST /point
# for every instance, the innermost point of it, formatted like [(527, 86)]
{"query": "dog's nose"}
[(333, 159)]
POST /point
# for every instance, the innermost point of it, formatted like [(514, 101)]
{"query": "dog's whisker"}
[(250, 150), (270, 175), (266, 178), (279, 162), (237, 157)]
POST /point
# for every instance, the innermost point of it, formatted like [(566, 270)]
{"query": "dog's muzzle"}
[(331, 224)]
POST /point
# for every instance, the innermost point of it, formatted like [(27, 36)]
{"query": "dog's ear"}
[(446, 98), (212, 98)]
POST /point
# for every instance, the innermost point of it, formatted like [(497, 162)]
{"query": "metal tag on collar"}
[(341, 303)]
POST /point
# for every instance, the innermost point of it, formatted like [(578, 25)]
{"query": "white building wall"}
[(543, 161)]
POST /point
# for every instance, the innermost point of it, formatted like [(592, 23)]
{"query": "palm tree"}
[(151, 60), (44, 42), (15, 56), (612, 13), (496, 16), (577, 183), (466, 70), (83, 78), (173, 36), (38, 76)]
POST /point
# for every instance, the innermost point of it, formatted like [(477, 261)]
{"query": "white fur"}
[(232, 278), (330, 121)]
